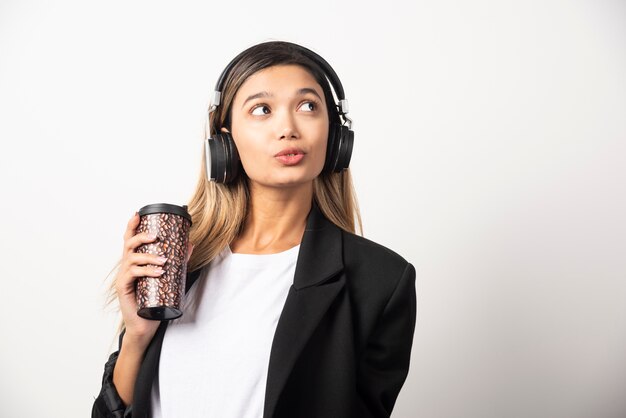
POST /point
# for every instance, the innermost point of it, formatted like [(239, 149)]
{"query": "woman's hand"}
[(135, 265)]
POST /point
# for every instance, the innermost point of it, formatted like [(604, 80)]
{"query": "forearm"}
[(127, 367)]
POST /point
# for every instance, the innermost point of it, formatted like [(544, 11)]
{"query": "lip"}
[(290, 156), (288, 151)]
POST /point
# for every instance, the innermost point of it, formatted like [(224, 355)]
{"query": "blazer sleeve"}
[(109, 404), (384, 365)]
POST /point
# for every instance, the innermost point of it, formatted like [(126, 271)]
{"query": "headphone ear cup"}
[(344, 149), (331, 148), (232, 157), (215, 158), (339, 148), (222, 158)]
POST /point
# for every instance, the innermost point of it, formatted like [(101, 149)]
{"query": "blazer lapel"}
[(319, 259)]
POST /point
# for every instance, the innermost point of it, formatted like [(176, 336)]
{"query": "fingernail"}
[(162, 259), (151, 236)]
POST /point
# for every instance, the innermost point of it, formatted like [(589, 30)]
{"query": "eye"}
[(261, 106), (312, 106)]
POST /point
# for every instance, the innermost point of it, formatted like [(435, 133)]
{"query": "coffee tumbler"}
[(160, 298)]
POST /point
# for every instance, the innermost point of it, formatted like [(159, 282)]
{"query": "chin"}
[(287, 181)]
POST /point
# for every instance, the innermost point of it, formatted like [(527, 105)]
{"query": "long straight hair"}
[(219, 210)]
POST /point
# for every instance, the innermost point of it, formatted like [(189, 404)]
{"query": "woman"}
[(288, 313)]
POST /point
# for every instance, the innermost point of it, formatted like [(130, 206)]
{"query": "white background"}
[(490, 152)]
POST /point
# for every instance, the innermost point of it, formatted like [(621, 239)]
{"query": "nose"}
[(287, 128)]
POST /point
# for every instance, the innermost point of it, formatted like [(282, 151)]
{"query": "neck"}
[(276, 219)]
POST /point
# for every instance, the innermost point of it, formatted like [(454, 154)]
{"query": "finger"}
[(131, 226), (145, 271), (125, 283), (135, 241), (145, 258)]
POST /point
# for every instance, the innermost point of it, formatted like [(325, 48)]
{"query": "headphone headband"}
[(328, 71)]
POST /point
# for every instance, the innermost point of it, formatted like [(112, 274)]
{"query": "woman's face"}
[(279, 123)]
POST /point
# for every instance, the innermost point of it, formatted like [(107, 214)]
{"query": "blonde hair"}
[(218, 211)]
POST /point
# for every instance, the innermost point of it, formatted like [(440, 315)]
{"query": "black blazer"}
[(343, 341)]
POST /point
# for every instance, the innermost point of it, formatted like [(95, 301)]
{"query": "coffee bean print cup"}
[(160, 298)]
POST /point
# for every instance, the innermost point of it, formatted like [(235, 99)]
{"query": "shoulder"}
[(372, 252), (371, 262)]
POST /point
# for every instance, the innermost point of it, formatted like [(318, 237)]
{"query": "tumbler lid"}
[(165, 208)]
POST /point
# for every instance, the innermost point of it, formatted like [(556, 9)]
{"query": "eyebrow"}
[(300, 92)]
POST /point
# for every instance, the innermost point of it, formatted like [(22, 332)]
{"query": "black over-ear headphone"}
[(222, 158)]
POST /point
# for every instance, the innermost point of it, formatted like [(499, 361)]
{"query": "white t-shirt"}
[(214, 359)]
